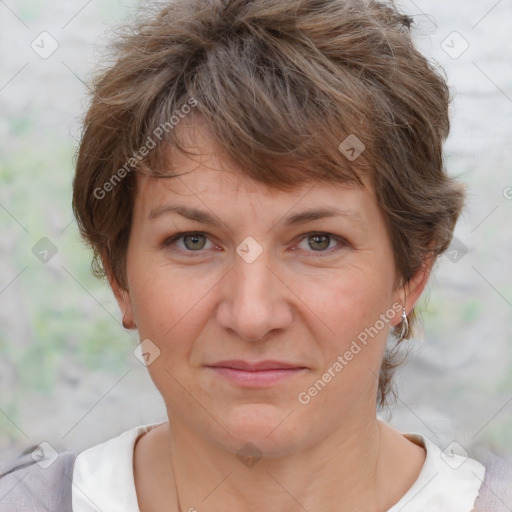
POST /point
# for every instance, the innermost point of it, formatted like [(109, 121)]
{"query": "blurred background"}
[(68, 374)]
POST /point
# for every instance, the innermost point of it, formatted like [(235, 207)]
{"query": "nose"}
[(255, 300)]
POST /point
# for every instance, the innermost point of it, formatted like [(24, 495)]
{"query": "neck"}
[(344, 471)]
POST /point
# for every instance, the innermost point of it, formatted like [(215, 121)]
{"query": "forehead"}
[(228, 188), (207, 175)]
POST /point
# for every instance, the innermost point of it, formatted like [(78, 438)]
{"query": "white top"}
[(103, 478)]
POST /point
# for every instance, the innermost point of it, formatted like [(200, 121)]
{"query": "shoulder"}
[(485, 476), (38, 482), (104, 474), (101, 460), (496, 491), (452, 480), (41, 479)]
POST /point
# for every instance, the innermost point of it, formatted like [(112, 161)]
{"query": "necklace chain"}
[(175, 484)]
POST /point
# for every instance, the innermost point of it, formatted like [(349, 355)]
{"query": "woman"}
[(263, 185)]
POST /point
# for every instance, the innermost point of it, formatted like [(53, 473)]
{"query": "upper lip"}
[(255, 366)]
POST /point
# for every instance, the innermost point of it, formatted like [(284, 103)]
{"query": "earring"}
[(405, 326)]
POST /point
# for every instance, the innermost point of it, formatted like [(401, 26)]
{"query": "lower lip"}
[(257, 378)]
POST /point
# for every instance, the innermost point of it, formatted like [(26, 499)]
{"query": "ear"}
[(122, 296), (410, 292)]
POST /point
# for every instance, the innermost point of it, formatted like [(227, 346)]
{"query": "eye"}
[(322, 243), (193, 241)]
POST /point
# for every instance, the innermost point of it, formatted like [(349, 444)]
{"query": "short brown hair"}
[(280, 83)]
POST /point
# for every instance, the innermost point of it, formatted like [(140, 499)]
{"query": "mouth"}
[(258, 374)]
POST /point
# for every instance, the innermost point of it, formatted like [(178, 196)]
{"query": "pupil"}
[(194, 239), (316, 238)]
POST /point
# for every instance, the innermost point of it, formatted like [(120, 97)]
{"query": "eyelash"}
[(341, 241)]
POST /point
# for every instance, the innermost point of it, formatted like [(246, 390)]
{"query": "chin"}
[(263, 426)]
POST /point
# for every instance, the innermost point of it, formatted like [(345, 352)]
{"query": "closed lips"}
[(257, 366)]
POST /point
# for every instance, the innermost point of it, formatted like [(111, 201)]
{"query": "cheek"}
[(170, 313), (347, 301), (351, 305), (352, 308), (169, 304)]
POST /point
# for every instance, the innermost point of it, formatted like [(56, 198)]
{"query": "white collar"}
[(446, 483), (103, 478)]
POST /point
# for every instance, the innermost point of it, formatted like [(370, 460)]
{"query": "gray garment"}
[(496, 491), (30, 488)]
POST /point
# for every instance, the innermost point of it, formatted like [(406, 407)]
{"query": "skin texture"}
[(293, 303)]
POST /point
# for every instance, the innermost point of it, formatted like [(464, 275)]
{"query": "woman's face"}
[(262, 283)]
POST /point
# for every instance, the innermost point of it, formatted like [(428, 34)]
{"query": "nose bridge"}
[(254, 303), (253, 284), (252, 274)]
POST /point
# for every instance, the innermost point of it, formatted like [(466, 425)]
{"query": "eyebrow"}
[(297, 218)]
